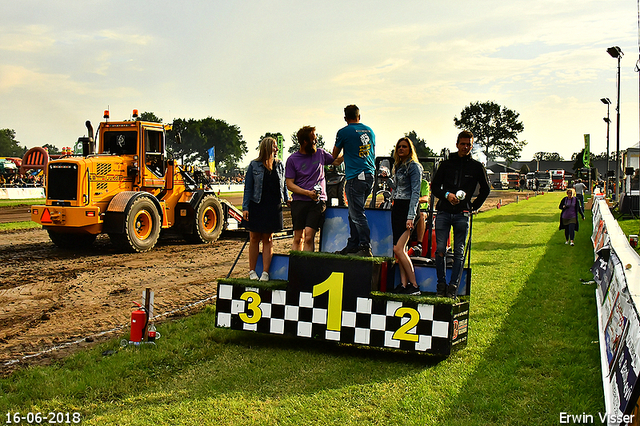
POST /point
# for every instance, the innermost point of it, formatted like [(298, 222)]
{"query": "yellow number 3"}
[(253, 306)]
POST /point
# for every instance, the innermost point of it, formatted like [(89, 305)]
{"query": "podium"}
[(344, 299)]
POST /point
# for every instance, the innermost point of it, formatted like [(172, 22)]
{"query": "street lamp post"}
[(607, 102), (616, 53)]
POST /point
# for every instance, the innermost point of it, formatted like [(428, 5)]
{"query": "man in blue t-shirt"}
[(358, 142)]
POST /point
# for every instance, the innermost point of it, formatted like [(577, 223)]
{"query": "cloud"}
[(28, 39), (338, 228), (272, 68), (14, 77)]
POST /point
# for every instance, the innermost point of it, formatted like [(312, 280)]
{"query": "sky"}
[(277, 65)]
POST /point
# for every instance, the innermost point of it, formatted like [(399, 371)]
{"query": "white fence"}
[(233, 187), (21, 193), (24, 193)]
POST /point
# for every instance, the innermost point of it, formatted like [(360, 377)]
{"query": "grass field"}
[(630, 226), (10, 226), (532, 354), (24, 202), (19, 225)]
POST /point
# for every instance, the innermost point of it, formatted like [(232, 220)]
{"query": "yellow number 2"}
[(402, 332)]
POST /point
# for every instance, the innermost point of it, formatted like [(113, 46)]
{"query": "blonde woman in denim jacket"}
[(264, 193), (406, 180)]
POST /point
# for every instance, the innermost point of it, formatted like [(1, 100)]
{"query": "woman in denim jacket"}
[(264, 192), (406, 180)]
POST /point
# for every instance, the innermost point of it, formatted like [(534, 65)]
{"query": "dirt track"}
[(49, 296)]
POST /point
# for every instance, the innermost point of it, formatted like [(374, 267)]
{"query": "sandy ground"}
[(53, 302)]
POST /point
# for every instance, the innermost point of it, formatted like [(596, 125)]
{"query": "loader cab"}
[(122, 141), (144, 142), (154, 154)]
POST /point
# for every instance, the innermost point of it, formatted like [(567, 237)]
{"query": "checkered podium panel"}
[(371, 322)]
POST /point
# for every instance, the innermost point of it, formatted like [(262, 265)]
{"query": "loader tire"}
[(142, 227), (208, 223)]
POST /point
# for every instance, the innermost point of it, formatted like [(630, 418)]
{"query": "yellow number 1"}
[(333, 285)]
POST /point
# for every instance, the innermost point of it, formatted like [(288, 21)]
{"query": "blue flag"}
[(212, 159)]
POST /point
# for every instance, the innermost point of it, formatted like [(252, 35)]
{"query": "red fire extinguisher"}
[(139, 320)]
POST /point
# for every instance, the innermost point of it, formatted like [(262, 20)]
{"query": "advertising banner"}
[(280, 140), (586, 154), (615, 271), (212, 160)]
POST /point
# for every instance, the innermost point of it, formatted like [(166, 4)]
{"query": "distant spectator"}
[(18, 182), (580, 189), (421, 223), (570, 207), (635, 180)]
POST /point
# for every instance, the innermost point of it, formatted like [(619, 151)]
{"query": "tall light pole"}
[(616, 53), (607, 102)]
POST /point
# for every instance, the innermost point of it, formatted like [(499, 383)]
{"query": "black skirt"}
[(399, 212), (266, 216)]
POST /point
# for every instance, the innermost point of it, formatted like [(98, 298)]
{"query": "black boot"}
[(452, 291), (441, 289)]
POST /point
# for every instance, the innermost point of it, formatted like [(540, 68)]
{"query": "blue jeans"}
[(357, 193), (460, 224), (570, 231), (580, 198)]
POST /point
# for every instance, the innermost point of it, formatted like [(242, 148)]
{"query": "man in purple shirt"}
[(304, 174)]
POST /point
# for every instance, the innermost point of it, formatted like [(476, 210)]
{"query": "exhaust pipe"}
[(88, 143)]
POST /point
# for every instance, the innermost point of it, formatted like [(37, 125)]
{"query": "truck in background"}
[(508, 180), (558, 179), (8, 168), (544, 181), (531, 181)]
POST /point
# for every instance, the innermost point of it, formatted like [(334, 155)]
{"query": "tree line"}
[(9, 146), (496, 129)]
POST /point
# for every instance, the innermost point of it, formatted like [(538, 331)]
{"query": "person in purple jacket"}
[(570, 207), (304, 174)]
